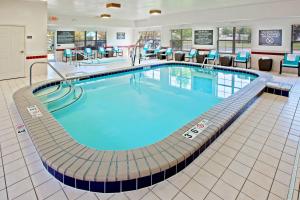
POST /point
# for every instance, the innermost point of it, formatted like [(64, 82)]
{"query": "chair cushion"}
[(290, 65), (242, 61)]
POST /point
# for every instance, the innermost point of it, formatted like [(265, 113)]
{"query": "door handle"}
[(21, 51)]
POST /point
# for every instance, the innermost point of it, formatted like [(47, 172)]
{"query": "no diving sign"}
[(34, 111), (197, 129)]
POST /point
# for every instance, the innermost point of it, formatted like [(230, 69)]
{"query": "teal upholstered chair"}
[(101, 52), (213, 55), (68, 54), (242, 57), (146, 47), (88, 53), (168, 53), (191, 55), (118, 51), (290, 61), (157, 50)]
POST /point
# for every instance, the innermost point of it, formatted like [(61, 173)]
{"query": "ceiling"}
[(139, 9)]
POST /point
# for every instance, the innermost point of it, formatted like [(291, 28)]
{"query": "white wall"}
[(111, 36), (32, 15)]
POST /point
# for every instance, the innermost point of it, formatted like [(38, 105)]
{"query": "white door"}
[(12, 55)]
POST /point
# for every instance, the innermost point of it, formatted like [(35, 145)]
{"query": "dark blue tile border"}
[(276, 91)]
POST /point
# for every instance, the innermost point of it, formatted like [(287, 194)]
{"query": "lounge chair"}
[(88, 53), (68, 54), (117, 51), (290, 61), (157, 50), (213, 55), (242, 57), (168, 53), (191, 55), (102, 52)]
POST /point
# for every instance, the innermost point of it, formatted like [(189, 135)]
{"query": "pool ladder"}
[(60, 97)]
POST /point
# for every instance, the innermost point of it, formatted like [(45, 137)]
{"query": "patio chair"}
[(242, 57), (290, 61), (191, 55), (168, 53), (67, 54), (88, 53), (213, 55), (117, 51), (102, 52)]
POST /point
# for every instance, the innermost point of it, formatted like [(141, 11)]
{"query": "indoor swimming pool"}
[(139, 108)]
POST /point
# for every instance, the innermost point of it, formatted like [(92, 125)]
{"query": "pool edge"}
[(146, 174)]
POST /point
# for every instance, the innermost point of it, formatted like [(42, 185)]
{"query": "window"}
[(79, 39), (101, 39), (295, 39), (90, 39), (152, 38), (234, 39), (242, 39), (181, 39)]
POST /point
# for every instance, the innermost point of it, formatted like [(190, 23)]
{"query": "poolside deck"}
[(255, 158)]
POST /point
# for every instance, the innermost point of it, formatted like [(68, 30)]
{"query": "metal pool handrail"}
[(55, 70)]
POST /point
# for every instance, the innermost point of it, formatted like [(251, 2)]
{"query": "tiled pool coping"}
[(114, 171)]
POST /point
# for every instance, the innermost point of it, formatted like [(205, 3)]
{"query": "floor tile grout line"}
[(295, 167), (256, 159), (4, 175), (210, 190), (1, 88), (277, 168)]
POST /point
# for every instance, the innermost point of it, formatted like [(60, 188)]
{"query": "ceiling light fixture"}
[(105, 16), (113, 5), (155, 12)]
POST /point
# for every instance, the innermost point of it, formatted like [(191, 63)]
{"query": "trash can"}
[(225, 61), (179, 56), (200, 58), (265, 64)]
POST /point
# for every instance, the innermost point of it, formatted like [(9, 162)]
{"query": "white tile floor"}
[(255, 158)]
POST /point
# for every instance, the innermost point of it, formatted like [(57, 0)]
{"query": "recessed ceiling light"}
[(113, 5), (105, 16), (155, 12)]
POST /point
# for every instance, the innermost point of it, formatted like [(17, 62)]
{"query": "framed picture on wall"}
[(270, 37), (65, 37), (120, 35), (203, 37)]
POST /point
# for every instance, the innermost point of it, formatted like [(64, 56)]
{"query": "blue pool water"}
[(139, 108)]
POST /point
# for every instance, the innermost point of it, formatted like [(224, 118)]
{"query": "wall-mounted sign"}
[(65, 37), (203, 37), (120, 35), (270, 37), (197, 129)]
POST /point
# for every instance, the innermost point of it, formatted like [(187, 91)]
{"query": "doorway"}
[(12, 52), (51, 45)]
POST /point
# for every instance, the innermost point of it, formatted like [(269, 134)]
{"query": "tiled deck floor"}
[(253, 159)]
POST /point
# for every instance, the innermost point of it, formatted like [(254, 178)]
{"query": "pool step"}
[(59, 94), (47, 91), (72, 97)]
